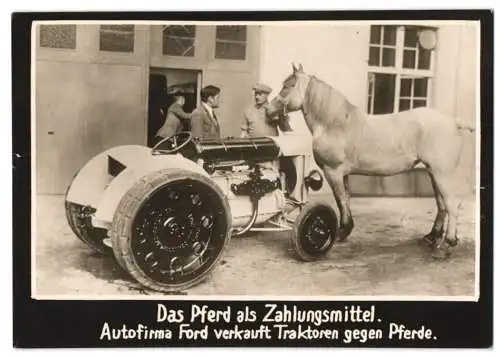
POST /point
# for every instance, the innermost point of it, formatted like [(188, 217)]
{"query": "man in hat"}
[(256, 123), (175, 118)]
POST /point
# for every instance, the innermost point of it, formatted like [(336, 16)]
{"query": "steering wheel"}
[(173, 143)]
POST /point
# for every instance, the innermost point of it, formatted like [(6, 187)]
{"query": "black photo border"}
[(77, 323)]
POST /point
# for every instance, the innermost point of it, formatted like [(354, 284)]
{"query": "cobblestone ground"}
[(381, 257)]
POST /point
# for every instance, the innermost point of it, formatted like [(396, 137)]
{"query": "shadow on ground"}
[(382, 257)]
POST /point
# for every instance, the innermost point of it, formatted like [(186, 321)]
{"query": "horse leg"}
[(437, 230), (337, 180), (443, 244)]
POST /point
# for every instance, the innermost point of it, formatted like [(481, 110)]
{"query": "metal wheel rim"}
[(179, 232), (318, 231)]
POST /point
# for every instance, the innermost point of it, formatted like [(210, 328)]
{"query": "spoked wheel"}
[(170, 229), (79, 220), (314, 231)]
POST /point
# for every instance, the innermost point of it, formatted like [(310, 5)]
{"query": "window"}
[(413, 93), (58, 36), (383, 46), (117, 38), (230, 42), (179, 40), (399, 68)]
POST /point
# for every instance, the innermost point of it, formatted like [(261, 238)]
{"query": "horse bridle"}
[(284, 102)]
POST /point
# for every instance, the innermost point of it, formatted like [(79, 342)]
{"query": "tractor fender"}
[(90, 181), (123, 182)]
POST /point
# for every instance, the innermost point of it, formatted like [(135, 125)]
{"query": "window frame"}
[(195, 42), (115, 52), (58, 49), (238, 42), (398, 70)]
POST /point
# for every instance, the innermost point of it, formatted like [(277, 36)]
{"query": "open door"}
[(156, 104), (162, 82)]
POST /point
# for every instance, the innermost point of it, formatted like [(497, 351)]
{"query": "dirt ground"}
[(381, 257)]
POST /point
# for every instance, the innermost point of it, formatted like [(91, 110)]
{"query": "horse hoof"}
[(452, 242), (342, 236), (441, 253), (428, 240)]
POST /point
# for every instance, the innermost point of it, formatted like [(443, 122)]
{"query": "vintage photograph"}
[(296, 159)]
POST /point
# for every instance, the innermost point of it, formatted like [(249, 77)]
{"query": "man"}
[(175, 118), (204, 122), (256, 123)]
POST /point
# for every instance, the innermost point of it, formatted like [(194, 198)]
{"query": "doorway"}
[(161, 82)]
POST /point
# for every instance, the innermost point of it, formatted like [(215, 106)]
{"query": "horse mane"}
[(288, 79), (323, 103)]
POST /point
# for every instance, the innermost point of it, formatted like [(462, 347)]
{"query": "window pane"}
[(117, 43), (404, 104), (411, 37), (409, 58), (420, 89), (375, 31), (374, 56), (419, 103), (228, 50), (180, 31), (58, 36), (179, 40), (405, 87), (178, 47), (118, 28), (231, 42), (424, 59), (384, 93), (117, 38), (388, 57), (234, 33), (390, 35)]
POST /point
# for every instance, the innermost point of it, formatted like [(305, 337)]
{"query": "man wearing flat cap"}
[(176, 118), (255, 121)]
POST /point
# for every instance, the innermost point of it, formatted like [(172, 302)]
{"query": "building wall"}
[(88, 100), (466, 99), (338, 54)]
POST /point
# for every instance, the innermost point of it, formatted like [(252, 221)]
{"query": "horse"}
[(346, 141)]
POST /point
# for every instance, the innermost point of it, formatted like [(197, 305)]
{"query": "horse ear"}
[(301, 68), (294, 67)]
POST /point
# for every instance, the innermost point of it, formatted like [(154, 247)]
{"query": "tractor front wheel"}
[(314, 230)]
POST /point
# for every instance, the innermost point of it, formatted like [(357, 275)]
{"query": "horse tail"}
[(464, 126)]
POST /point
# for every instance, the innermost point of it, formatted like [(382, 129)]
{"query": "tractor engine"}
[(254, 194), (247, 170)]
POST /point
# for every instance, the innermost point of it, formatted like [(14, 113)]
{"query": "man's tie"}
[(215, 120)]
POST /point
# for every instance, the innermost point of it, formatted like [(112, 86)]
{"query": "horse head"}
[(291, 95)]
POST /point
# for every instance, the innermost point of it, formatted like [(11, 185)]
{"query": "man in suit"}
[(175, 118), (204, 122)]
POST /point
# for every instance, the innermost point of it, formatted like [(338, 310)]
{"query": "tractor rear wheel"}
[(80, 222), (170, 229)]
